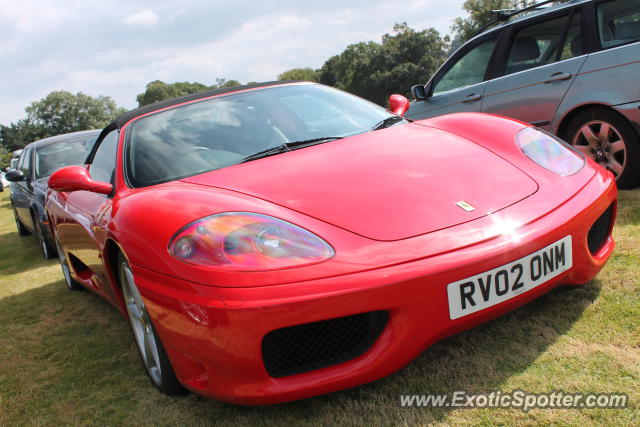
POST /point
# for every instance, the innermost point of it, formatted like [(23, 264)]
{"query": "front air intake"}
[(599, 231), (303, 348)]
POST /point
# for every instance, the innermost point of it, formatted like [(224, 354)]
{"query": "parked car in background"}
[(278, 241), (571, 69), (3, 181), (36, 163)]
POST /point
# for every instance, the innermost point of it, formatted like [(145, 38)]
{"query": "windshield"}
[(50, 158), (224, 131)]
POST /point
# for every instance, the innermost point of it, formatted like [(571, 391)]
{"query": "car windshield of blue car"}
[(51, 157), (227, 130)]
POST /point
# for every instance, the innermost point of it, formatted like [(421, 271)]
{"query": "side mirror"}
[(76, 178), (14, 175), (418, 92), (398, 104)]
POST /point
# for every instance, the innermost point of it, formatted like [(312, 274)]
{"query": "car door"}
[(460, 84), (23, 190), (85, 235), (543, 58)]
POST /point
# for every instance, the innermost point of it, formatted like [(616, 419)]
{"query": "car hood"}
[(386, 185)]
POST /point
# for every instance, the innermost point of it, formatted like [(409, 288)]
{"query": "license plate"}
[(483, 290)]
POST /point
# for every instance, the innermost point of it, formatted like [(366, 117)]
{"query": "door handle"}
[(556, 77), (472, 98)]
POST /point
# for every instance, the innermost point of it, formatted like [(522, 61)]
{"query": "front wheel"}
[(609, 140), (152, 353)]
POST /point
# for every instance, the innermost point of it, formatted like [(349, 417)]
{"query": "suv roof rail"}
[(504, 15)]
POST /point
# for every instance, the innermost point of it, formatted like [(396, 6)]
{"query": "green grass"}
[(68, 357)]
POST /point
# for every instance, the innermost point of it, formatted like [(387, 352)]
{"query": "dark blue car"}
[(37, 162)]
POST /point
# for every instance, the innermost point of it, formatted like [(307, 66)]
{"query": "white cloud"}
[(144, 17), (83, 46)]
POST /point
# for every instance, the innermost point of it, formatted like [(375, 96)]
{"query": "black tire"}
[(150, 349), (45, 248), (72, 285), (22, 230), (625, 163)]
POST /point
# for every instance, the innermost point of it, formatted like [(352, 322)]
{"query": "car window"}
[(104, 160), (535, 45), (469, 70), (52, 157), (21, 160), (25, 162), (572, 46), (618, 22)]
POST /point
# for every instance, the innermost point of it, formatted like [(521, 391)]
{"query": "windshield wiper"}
[(313, 141), (288, 146), (385, 123), (266, 153)]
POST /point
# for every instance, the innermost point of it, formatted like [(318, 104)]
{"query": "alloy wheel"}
[(141, 324), (603, 143)]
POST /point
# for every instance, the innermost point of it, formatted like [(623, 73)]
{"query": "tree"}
[(57, 113), (307, 74), (375, 70), (158, 90), (479, 15)]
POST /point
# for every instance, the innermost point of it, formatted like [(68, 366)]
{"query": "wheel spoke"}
[(615, 167), (585, 149), (132, 307), (617, 146), (152, 348), (588, 134), (605, 130)]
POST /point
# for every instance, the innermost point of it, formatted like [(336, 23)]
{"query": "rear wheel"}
[(22, 230), (152, 353), (609, 139)]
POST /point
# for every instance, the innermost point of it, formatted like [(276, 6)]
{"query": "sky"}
[(116, 47)]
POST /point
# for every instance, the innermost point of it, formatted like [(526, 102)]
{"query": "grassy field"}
[(69, 358)]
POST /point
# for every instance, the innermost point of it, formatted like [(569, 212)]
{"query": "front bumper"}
[(214, 335)]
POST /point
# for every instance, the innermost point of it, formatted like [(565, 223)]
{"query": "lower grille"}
[(600, 231), (304, 348)]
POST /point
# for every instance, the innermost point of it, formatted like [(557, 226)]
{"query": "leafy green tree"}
[(5, 157), (375, 70), (159, 91), (57, 113), (307, 74), (479, 15)]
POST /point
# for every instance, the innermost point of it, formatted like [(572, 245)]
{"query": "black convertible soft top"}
[(124, 118)]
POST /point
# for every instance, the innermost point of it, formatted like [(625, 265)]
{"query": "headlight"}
[(549, 152), (244, 241)]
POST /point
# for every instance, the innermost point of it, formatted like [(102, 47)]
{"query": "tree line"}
[(372, 70)]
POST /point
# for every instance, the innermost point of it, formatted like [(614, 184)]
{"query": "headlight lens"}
[(549, 152), (244, 241)]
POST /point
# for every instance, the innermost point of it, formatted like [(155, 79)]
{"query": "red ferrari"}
[(279, 241)]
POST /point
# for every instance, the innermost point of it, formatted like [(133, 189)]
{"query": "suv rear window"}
[(618, 22)]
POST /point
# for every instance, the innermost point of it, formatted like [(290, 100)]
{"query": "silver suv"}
[(572, 69)]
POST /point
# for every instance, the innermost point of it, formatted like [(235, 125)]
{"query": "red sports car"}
[(278, 241)]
